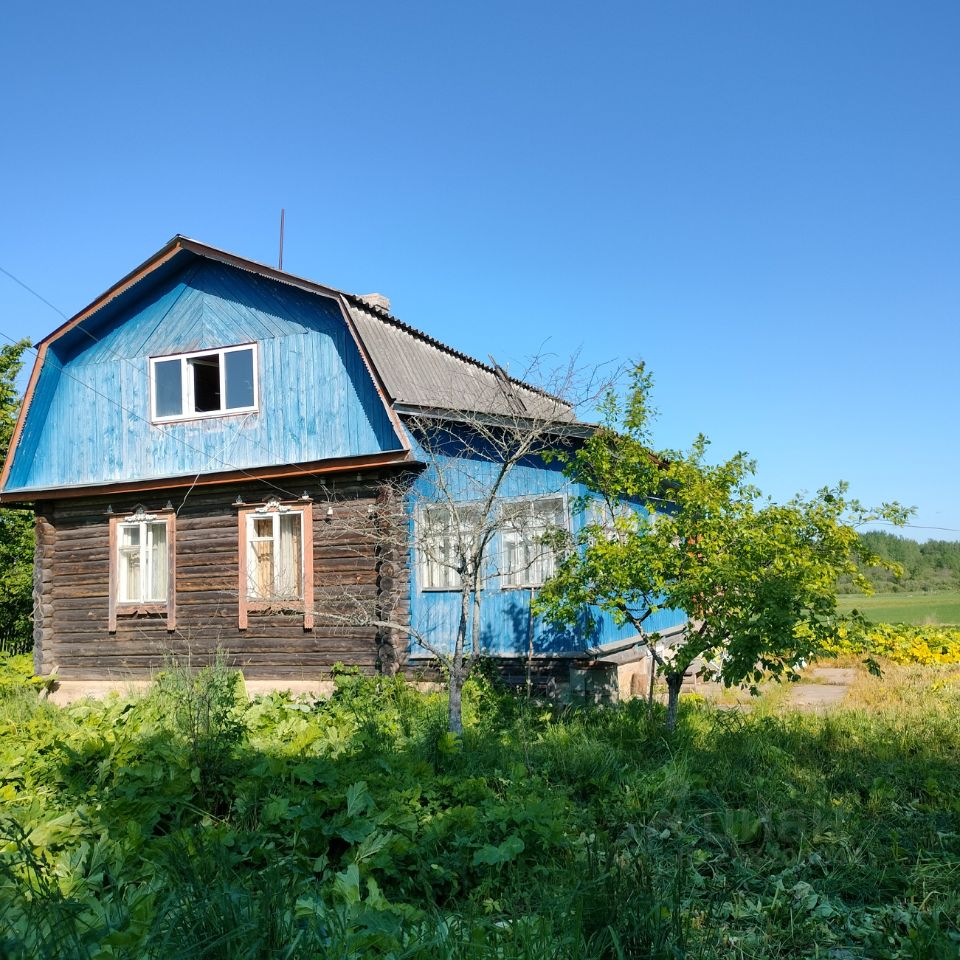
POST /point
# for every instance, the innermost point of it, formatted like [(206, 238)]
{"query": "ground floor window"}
[(525, 559), (276, 559), (275, 556), (142, 565), (143, 561), (445, 537)]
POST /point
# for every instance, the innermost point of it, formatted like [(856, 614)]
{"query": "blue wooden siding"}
[(89, 420), (505, 613)]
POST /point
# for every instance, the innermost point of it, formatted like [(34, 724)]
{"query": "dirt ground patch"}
[(827, 687), (820, 689)]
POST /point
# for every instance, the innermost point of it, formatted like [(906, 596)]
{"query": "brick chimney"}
[(376, 300)]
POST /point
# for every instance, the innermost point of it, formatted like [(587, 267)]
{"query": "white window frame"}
[(275, 515), (453, 585), (505, 577), (187, 399), (146, 561), (597, 512)]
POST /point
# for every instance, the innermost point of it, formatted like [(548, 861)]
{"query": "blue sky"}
[(760, 200)]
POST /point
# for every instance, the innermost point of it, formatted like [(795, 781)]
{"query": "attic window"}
[(204, 384)]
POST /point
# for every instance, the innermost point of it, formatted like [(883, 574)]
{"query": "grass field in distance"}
[(917, 608)]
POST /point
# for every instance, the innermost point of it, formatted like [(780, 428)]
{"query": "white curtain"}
[(157, 545), (290, 574), (143, 562)]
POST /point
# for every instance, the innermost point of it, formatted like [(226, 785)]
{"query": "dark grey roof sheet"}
[(419, 371)]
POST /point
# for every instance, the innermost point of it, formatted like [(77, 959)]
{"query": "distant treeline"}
[(934, 565)]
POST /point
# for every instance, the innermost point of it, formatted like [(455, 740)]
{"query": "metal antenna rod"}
[(280, 264)]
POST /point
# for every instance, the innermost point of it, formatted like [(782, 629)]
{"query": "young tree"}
[(16, 526), (756, 579), (459, 504)]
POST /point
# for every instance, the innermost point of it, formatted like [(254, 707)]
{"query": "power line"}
[(106, 346), (141, 373), (19, 282), (136, 416), (917, 526)]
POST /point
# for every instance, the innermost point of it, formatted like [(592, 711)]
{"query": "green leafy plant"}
[(336, 828)]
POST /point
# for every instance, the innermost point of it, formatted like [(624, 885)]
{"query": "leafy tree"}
[(16, 526), (756, 579)]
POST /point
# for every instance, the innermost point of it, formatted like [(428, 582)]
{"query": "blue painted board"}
[(89, 419), (506, 624)]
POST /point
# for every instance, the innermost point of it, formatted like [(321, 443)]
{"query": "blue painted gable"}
[(89, 421)]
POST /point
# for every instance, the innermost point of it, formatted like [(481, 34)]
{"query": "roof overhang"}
[(558, 427), (321, 469)]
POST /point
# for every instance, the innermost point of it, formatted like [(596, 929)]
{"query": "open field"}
[(191, 823), (917, 608)]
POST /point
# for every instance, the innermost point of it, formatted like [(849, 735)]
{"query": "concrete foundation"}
[(63, 692)]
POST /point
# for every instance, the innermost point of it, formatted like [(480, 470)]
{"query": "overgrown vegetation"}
[(192, 823), (901, 643)]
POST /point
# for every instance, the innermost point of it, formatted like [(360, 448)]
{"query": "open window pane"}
[(238, 369), (167, 386), (206, 382)]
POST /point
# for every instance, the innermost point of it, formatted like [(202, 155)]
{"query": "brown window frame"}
[(246, 605), (136, 609)]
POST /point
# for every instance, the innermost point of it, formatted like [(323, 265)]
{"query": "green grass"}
[(191, 824), (917, 608)]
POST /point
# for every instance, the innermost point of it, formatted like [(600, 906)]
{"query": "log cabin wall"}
[(353, 574)]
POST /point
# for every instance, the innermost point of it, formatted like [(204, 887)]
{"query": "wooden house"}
[(191, 443)]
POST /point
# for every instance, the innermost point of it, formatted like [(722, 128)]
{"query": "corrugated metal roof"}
[(419, 371)]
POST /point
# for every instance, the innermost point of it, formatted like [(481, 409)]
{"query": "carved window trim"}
[(135, 609), (245, 604)]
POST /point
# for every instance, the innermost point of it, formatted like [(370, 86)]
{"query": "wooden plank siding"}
[(73, 611), (89, 421)]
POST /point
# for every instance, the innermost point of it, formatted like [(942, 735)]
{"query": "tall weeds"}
[(191, 822)]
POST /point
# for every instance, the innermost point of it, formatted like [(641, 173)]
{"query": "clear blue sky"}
[(762, 200)]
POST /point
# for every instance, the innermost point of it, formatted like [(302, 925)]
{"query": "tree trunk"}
[(455, 685), (674, 682), (455, 713)]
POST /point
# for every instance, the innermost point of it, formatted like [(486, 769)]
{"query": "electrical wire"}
[(140, 373), (106, 346), (136, 416)]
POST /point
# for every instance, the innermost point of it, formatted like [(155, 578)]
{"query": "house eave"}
[(559, 428), (318, 468)]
